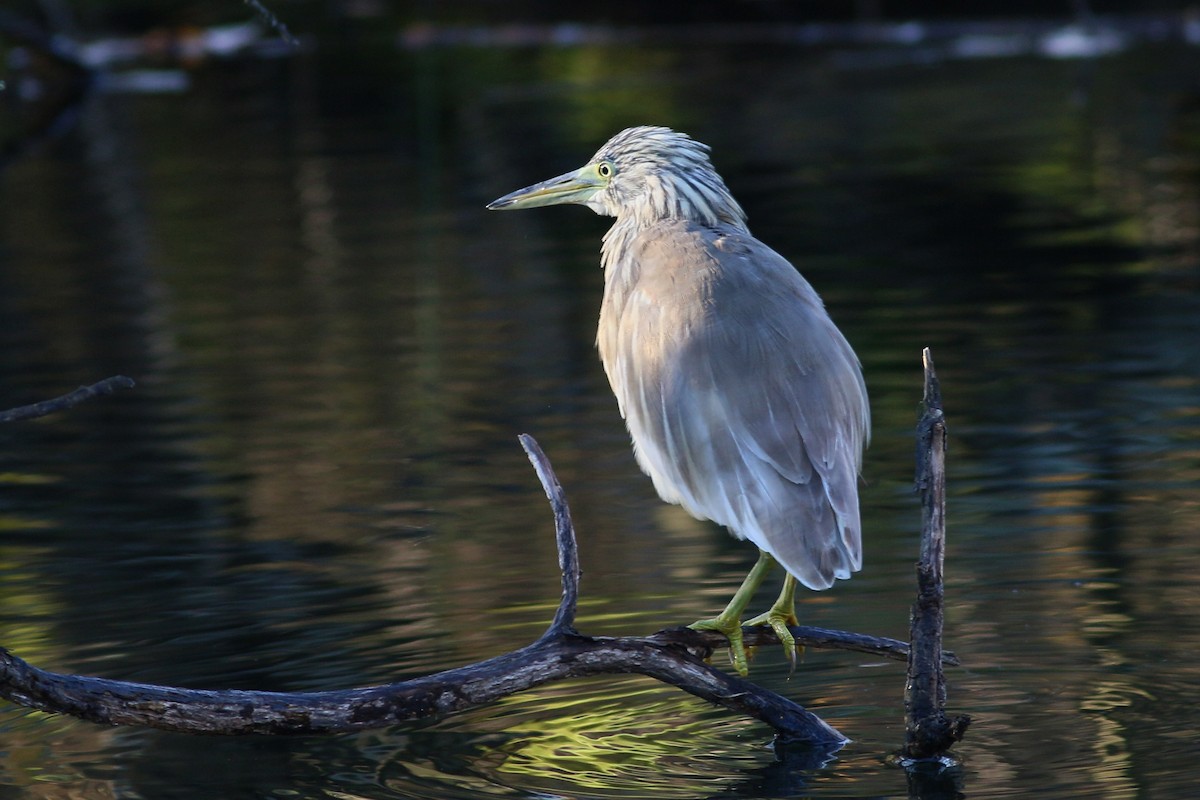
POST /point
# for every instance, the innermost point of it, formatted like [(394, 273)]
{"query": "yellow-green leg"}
[(779, 616), (729, 621)]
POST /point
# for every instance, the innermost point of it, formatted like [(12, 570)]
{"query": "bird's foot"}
[(729, 621), (731, 629), (779, 618)]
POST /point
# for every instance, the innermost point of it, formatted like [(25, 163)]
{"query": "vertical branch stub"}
[(928, 734)]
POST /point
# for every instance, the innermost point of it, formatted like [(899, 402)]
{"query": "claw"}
[(779, 623), (731, 630), (779, 617), (729, 621)]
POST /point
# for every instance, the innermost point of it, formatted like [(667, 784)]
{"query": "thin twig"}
[(83, 393), (807, 635), (276, 24)]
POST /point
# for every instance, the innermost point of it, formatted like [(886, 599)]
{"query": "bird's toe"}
[(731, 629), (779, 620)]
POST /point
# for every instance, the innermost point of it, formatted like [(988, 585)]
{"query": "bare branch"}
[(276, 24), (820, 638), (550, 658), (568, 551), (676, 656), (559, 653), (80, 395)]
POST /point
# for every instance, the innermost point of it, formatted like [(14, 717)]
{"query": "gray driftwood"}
[(676, 656)]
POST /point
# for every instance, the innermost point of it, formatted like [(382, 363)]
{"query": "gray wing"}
[(745, 403)]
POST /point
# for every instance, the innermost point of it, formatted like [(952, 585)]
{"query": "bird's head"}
[(646, 173)]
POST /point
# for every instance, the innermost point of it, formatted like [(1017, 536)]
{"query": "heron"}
[(745, 403)]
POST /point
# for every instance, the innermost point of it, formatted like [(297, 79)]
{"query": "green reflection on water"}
[(621, 737)]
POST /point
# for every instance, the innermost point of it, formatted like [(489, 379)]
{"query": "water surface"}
[(317, 482)]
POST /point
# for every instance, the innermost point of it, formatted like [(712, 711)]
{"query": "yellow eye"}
[(604, 169)]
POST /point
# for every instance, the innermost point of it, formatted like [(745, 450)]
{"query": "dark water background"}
[(317, 484)]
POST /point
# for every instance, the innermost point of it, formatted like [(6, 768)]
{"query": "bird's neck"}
[(617, 240)]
